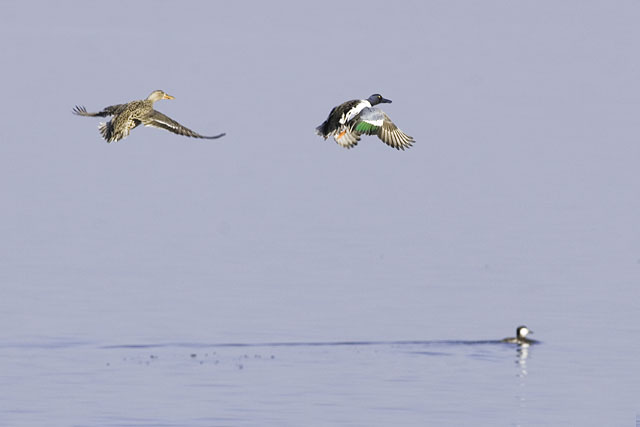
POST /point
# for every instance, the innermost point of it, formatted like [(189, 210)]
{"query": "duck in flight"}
[(521, 336), (349, 120), (132, 114)]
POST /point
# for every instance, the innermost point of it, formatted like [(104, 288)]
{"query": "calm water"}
[(134, 349), (273, 278), (324, 383)]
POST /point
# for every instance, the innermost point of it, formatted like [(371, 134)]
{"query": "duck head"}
[(157, 95), (376, 98), (522, 332)]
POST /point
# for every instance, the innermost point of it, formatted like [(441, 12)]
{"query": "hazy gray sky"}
[(526, 161)]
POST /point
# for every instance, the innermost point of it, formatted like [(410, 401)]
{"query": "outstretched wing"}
[(159, 120), (374, 121), (108, 111)]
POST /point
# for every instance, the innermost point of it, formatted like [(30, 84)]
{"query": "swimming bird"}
[(130, 115), (349, 120), (521, 336)]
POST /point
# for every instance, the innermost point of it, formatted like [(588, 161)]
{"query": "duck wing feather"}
[(159, 120)]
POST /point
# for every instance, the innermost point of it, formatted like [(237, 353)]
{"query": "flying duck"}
[(130, 115), (349, 120), (521, 336)]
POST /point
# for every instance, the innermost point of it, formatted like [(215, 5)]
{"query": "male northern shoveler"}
[(521, 336), (130, 115), (349, 120)]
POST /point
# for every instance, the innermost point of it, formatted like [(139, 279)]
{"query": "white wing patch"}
[(377, 123)]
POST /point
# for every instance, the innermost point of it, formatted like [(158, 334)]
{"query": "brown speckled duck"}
[(132, 114)]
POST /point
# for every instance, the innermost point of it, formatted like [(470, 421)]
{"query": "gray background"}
[(517, 204)]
